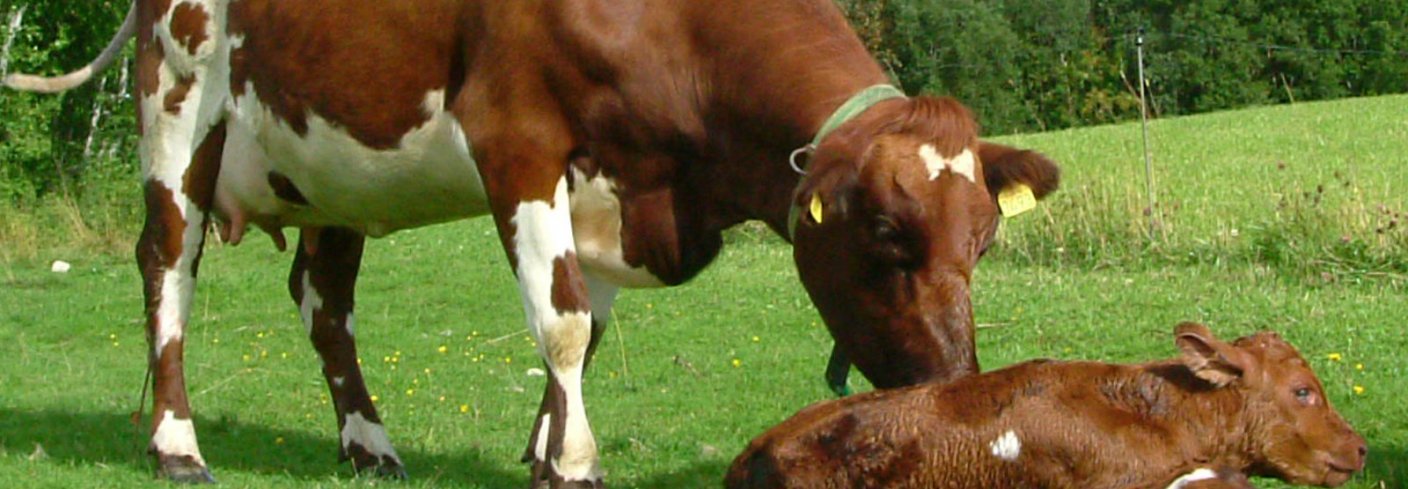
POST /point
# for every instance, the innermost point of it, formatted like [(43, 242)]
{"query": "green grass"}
[(1071, 280)]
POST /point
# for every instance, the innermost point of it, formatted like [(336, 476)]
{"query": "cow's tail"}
[(32, 83)]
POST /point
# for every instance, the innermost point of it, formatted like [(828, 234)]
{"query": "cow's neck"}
[(794, 69), (1219, 430)]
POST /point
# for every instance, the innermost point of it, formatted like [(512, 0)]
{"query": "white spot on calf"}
[(540, 447), (1007, 446), (370, 436), (177, 290), (961, 164), (1191, 477), (176, 437), (337, 381)]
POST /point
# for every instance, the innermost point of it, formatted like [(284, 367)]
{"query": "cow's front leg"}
[(527, 187), (602, 294), (322, 282)]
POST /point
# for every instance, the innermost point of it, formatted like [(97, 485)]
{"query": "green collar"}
[(853, 107)]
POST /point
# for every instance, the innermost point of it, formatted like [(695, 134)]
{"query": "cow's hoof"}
[(386, 469), (183, 470), (368, 464)]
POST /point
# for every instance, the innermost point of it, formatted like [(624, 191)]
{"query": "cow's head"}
[(1292, 432), (896, 209)]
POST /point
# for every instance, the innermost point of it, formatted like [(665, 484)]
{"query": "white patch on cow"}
[(370, 436), (543, 234), (596, 224), (351, 324), (1191, 477), (540, 445), (177, 290), (311, 304), (428, 177), (337, 381), (1007, 446), (176, 437), (961, 164)]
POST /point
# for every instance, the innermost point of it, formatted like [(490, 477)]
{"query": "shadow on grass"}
[(701, 475), (1387, 464), (110, 439)]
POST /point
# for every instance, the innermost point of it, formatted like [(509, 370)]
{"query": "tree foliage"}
[(1027, 65)]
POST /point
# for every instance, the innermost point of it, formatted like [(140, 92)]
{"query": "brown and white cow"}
[(1202, 421), (611, 141)]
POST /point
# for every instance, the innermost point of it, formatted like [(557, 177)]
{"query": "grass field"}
[(687, 376)]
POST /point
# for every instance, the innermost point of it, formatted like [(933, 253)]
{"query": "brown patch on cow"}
[(177, 94), (285, 189), (569, 293), (149, 52), (199, 182), (302, 61), (188, 22), (170, 381)]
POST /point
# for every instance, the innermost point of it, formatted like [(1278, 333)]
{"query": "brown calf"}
[(1252, 406)]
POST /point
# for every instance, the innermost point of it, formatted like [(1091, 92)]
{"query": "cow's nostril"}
[(1363, 451)]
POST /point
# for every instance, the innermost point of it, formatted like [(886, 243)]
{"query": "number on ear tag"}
[(1016, 199), (816, 209)]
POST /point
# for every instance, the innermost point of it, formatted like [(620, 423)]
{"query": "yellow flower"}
[(756, 339), (279, 441), (442, 349), (442, 398), (1359, 366), (464, 408), (1359, 390), (246, 357), (1334, 357), (375, 398), (259, 335), (410, 392), (508, 359), (737, 363)]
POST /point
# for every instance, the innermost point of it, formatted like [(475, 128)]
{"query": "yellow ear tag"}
[(816, 208), (1016, 199)]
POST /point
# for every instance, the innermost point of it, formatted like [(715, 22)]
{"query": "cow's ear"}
[(1209, 358), (1005, 167)]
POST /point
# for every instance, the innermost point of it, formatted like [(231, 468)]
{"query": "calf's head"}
[(1293, 432), (896, 209)]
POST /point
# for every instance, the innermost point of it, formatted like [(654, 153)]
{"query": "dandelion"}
[(464, 408), (259, 335), (375, 398), (1359, 366), (442, 399), (757, 339), (1358, 390), (1334, 357), (427, 371), (359, 361), (737, 363), (410, 392), (508, 359), (443, 349), (246, 357), (112, 336), (283, 355), (215, 340)]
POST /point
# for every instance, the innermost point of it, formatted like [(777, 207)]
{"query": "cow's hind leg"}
[(322, 282), (182, 97), (168, 254)]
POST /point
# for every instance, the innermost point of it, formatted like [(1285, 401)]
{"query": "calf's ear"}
[(1209, 358), (1005, 166)]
